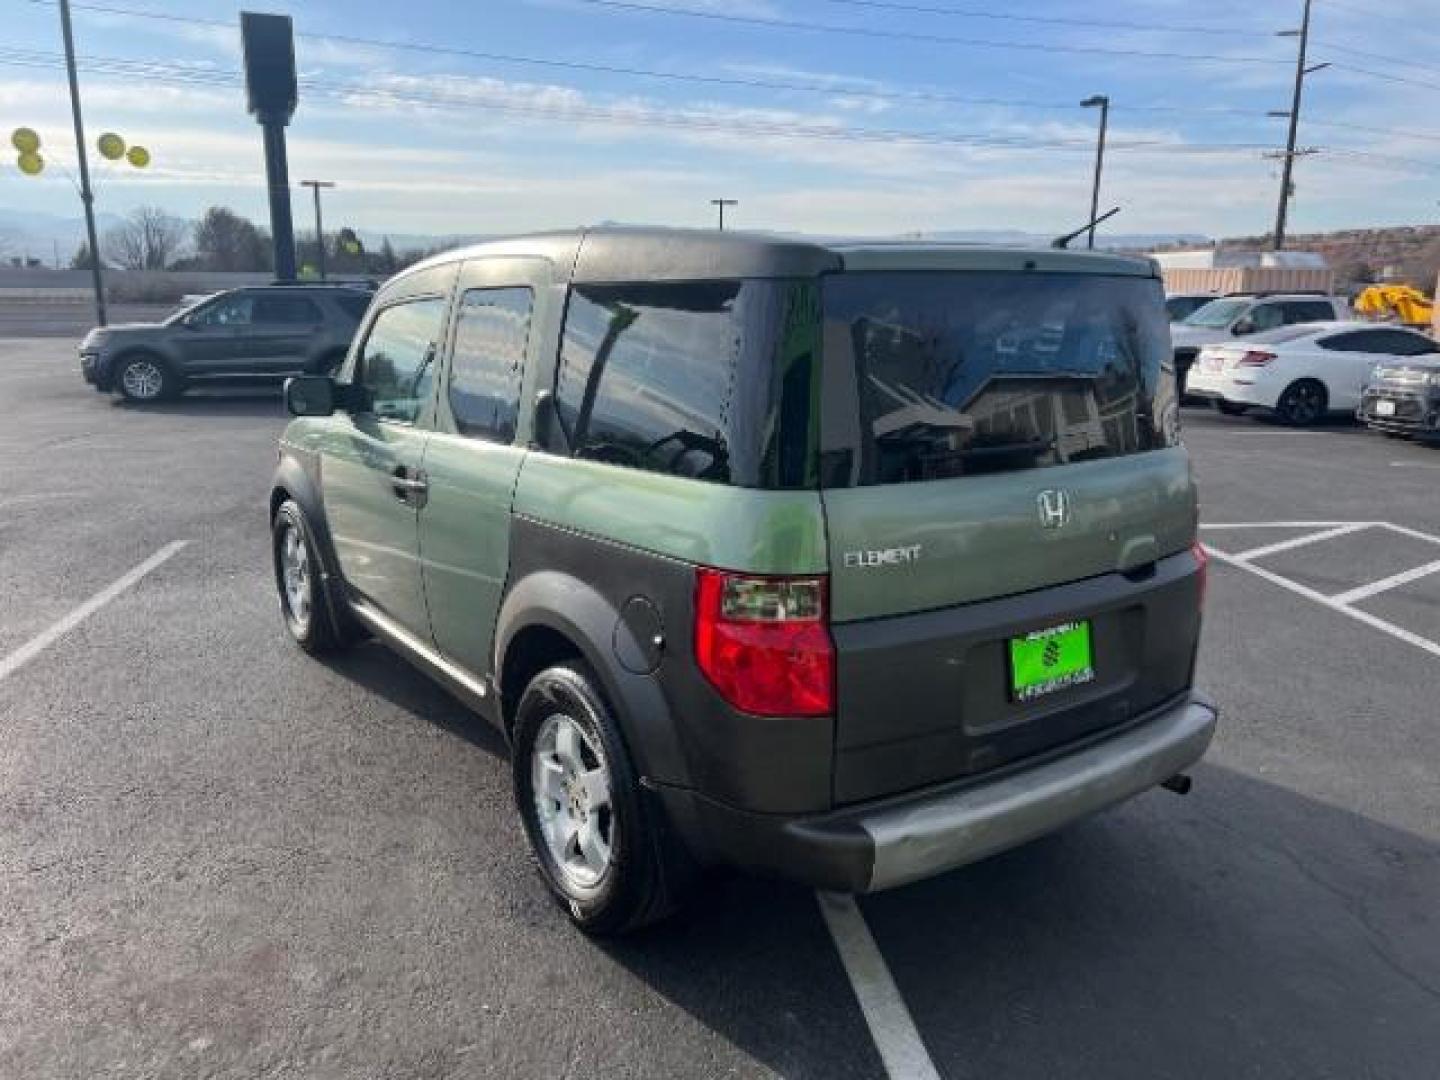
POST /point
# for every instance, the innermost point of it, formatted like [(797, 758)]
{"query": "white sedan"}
[(1301, 373)]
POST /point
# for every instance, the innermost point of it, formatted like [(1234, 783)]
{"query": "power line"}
[(162, 73), (1338, 66), (1351, 51), (194, 75), (1044, 20), (935, 39)]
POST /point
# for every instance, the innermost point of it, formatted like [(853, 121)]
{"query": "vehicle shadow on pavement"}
[(1246, 929), (751, 960), (382, 672), (258, 403)]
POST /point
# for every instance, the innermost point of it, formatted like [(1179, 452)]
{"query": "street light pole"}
[(86, 195), (722, 203), (1288, 168), (315, 186), (1103, 102)]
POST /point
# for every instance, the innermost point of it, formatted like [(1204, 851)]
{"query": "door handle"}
[(409, 481)]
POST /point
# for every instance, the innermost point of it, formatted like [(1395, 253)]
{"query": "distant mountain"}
[(24, 232)]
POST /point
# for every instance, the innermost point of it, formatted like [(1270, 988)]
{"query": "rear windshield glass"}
[(937, 375), (1217, 314)]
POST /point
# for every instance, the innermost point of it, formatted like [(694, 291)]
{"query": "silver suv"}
[(263, 332), (1242, 315)]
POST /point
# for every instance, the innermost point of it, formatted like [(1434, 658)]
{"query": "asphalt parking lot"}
[(221, 858)]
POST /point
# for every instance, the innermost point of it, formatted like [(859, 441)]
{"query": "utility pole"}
[(1288, 167), (1103, 102), (722, 203), (86, 195), (315, 186)]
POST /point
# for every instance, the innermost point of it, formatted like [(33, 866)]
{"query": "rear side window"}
[(707, 380), (1391, 342), (938, 375), (285, 310), (488, 361)]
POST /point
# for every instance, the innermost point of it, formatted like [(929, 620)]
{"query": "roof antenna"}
[(1062, 242)]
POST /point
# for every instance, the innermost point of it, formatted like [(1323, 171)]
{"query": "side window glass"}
[(1358, 341), (491, 331), (227, 311), (646, 375), (1265, 317), (397, 363), (1303, 311), (1399, 343), (285, 311)]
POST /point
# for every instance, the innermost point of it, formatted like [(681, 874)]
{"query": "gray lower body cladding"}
[(895, 841)]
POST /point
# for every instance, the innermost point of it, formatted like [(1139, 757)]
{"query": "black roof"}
[(618, 253)]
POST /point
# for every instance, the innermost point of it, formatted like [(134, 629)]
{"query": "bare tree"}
[(226, 241), (148, 239)]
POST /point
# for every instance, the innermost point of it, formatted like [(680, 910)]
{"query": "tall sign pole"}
[(86, 195), (271, 92)]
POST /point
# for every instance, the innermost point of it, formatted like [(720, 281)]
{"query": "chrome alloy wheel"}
[(142, 380), (295, 576), (571, 786)]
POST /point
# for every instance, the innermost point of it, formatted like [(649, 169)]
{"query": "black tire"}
[(1303, 403), (144, 378), (645, 871), (321, 625), (1229, 408)]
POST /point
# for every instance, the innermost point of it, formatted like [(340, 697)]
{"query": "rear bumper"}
[(895, 841)]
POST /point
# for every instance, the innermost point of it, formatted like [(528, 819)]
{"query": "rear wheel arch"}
[(548, 613)]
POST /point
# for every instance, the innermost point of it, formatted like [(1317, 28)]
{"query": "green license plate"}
[(1050, 660)]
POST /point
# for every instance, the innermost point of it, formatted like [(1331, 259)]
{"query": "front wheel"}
[(144, 378), (304, 604), (599, 844), (1302, 404)]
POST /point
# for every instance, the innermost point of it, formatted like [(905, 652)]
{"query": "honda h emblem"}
[(1054, 507)]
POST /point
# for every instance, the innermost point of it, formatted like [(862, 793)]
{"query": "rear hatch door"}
[(1009, 517)]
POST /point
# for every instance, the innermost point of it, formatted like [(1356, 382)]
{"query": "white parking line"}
[(1342, 602), (1394, 581), (53, 633), (891, 1026), (1300, 541)]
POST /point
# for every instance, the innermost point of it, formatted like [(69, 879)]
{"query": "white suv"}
[(1241, 316)]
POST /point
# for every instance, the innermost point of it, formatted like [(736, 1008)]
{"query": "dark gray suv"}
[(268, 331)]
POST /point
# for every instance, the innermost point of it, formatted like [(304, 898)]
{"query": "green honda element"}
[(847, 563)]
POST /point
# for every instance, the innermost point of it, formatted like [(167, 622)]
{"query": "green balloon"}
[(111, 146), (31, 163), (138, 156), (25, 140)]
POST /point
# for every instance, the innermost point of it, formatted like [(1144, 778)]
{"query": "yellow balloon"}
[(25, 140), (31, 163), (138, 156), (112, 146)]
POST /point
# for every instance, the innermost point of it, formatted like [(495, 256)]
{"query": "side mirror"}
[(1243, 327), (310, 395)]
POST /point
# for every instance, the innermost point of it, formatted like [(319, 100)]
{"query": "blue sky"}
[(461, 144)]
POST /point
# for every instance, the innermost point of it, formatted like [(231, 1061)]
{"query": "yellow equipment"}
[(1409, 305)]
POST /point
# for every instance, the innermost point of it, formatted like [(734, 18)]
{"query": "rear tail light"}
[(1256, 358), (764, 642), (1202, 559)]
